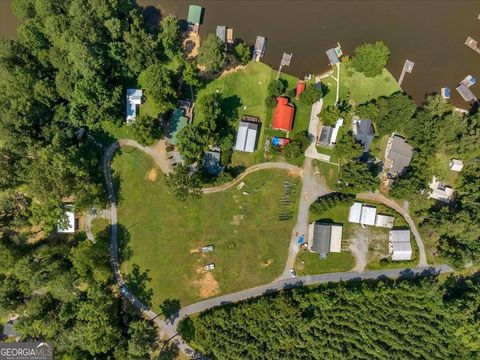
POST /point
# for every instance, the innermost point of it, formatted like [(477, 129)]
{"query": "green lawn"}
[(244, 92), (309, 263), (359, 88), (328, 173), (251, 244)]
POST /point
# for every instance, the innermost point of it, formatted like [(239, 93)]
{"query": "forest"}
[(420, 318)]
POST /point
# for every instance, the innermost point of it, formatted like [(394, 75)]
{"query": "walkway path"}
[(377, 197)]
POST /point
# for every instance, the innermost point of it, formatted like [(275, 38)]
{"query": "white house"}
[(439, 191), (400, 246), (70, 226), (134, 100), (456, 165), (246, 136), (385, 221)]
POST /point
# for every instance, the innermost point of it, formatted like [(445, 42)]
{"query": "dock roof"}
[(332, 56), (222, 33), (465, 92), (194, 14)]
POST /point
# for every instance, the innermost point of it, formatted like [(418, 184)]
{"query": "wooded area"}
[(403, 319)]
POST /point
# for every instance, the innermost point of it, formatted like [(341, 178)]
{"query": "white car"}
[(207, 249), (293, 273), (209, 267)]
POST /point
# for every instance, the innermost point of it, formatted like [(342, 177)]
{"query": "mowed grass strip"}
[(251, 244)]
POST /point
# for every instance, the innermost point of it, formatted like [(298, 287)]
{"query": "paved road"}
[(377, 197)]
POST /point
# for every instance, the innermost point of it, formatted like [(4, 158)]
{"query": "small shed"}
[(9, 331), (385, 221), (194, 15), (134, 100), (355, 213), (401, 248), (70, 226), (299, 89), (456, 165), (336, 128), (222, 33), (332, 57), (368, 215)]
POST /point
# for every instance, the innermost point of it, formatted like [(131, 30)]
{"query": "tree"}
[(276, 88), (310, 95), (243, 52), (159, 86), (212, 54), (346, 147), (394, 113), (297, 145), (367, 111), (330, 115), (192, 142), (357, 176), (329, 201), (170, 35), (190, 73), (183, 183), (370, 59), (142, 336), (146, 130)]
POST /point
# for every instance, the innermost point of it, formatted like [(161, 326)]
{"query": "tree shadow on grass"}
[(123, 246), (137, 283), (230, 106)]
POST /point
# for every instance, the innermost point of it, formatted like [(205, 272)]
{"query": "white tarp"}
[(355, 212), (336, 239), (368, 215)]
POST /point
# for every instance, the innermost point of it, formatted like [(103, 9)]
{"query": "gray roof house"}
[(397, 155), (325, 135), (211, 162), (363, 131), (9, 330), (321, 239), (246, 136)]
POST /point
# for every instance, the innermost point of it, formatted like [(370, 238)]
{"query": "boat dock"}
[(407, 68), (472, 44), (286, 59)]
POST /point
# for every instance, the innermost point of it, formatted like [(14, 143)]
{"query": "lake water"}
[(430, 33)]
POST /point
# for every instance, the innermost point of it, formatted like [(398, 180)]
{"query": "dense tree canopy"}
[(212, 53), (311, 95), (243, 52), (370, 59), (378, 320)]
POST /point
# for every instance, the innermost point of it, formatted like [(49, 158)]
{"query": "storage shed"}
[(401, 248)]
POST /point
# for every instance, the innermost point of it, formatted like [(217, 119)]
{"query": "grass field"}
[(328, 173), (309, 263), (359, 88), (164, 234), (244, 92)]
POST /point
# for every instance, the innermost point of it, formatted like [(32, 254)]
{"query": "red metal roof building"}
[(300, 89), (283, 115)]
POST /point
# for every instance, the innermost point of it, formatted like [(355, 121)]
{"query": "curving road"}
[(169, 328)]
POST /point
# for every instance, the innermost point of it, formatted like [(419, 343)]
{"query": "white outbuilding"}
[(400, 246), (456, 165), (385, 221), (368, 215), (355, 213)]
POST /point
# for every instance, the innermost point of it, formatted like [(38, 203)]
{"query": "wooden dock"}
[(286, 59), (407, 68), (472, 44)]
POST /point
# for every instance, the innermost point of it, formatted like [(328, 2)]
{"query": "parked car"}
[(209, 267), (293, 273), (207, 249)]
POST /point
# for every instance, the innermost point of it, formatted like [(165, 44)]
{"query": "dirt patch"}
[(295, 173), (267, 263), (152, 174), (229, 71), (331, 173), (191, 44), (194, 251), (237, 219), (207, 285)]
